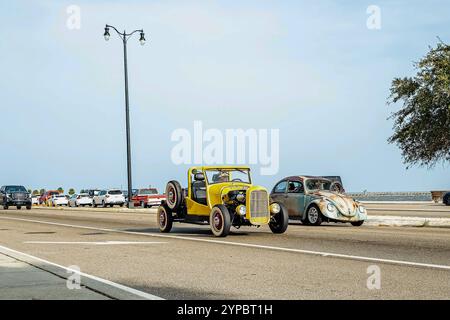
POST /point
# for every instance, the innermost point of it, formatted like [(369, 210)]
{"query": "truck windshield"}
[(12, 189), (227, 175)]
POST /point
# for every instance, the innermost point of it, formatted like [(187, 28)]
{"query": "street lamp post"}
[(125, 36)]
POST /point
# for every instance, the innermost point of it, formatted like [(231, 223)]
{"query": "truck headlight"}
[(275, 208), (240, 197), (241, 210), (362, 209)]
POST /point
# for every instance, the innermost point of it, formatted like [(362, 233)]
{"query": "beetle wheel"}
[(314, 216)]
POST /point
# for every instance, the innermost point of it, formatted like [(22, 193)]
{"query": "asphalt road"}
[(327, 262)]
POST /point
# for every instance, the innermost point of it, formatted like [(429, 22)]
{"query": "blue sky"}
[(311, 69)]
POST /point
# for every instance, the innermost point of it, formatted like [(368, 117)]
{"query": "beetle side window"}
[(281, 187), (296, 187)]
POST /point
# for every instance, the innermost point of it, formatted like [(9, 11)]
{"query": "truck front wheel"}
[(220, 221), (280, 221)]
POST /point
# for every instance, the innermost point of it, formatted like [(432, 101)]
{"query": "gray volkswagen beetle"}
[(314, 200)]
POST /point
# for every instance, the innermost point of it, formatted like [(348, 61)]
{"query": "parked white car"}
[(35, 200), (82, 199), (58, 200), (109, 198)]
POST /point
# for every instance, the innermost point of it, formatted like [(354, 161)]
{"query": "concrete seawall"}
[(392, 196)]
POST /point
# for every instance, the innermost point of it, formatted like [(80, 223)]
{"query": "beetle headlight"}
[(362, 209), (241, 210), (275, 208), (331, 207)]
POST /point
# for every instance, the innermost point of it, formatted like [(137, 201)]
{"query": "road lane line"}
[(97, 243), (248, 245), (138, 293)]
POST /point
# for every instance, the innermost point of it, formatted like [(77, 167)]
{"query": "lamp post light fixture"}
[(125, 36)]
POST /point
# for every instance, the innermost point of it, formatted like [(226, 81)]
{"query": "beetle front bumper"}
[(337, 215)]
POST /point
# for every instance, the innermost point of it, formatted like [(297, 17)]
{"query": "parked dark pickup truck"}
[(446, 199), (15, 196)]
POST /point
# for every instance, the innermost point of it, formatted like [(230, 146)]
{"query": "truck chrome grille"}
[(18, 196), (259, 204)]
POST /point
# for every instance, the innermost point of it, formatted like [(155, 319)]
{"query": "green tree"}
[(422, 125), (42, 191), (71, 191), (36, 192), (60, 190), (29, 190)]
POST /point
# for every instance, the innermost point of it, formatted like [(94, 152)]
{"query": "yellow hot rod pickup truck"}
[(222, 196)]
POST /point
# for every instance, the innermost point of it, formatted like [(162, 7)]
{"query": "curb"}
[(84, 209), (102, 286), (396, 202), (397, 221), (408, 210)]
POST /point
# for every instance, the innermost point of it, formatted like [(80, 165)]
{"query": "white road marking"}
[(97, 243), (139, 293), (248, 245)]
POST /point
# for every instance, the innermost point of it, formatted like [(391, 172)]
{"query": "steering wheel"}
[(237, 180)]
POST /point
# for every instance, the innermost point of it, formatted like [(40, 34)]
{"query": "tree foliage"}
[(422, 125), (60, 190), (71, 191)]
